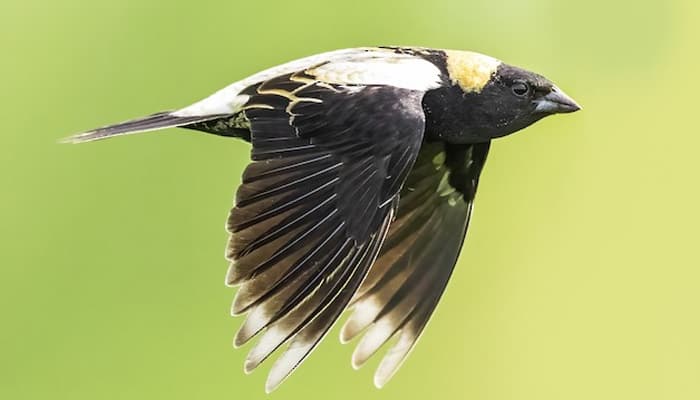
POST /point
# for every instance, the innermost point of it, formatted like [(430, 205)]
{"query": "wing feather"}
[(404, 286), (309, 337), (314, 208)]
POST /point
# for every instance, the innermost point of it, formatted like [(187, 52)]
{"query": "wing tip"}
[(354, 364), (249, 366), (269, 388), (238, 342), (346, 335), (379, 382), (358, 322)]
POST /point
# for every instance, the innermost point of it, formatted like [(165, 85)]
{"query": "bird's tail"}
[(153, 122)]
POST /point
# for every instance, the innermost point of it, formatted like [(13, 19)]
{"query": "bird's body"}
[(365, 163)]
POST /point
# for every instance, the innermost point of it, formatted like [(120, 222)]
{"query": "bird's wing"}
[(328, 162), (406, 282)]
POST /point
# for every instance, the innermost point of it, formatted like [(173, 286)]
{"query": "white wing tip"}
[(237, 342), (285, 365), (269, 388), (249, 366), (379, 382)]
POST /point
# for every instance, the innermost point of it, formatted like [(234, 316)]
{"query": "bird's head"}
[(495, 99)]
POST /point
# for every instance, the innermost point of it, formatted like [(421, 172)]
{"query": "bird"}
[(364, 168)]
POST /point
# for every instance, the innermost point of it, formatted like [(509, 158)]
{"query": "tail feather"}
[(153, 122)]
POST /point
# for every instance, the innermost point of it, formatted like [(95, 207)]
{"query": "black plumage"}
[(364, 168)]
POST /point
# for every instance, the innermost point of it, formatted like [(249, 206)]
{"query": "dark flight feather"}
[(407, 280), (313, 209)]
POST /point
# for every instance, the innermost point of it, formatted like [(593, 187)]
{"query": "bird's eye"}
[(521, 89)]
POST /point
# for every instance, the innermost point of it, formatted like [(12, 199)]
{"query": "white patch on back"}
[(359, 66), (220, 102), (402, 71)]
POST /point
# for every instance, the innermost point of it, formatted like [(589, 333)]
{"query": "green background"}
[(579, 279)]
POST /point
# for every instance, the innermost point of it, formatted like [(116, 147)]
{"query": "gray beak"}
[(556, 102)]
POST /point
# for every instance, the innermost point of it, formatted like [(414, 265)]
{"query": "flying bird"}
[(364, 167)]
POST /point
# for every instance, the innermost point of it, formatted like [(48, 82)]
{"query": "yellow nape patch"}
[(471, 71)]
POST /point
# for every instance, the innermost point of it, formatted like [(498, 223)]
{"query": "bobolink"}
[(364, 167)]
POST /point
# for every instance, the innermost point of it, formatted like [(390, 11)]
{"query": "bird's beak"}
[(556, 102)]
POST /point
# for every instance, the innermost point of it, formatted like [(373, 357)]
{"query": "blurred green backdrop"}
[(579, 279)]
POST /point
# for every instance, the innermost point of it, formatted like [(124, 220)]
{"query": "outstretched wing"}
[(314, 206), (406, 282)]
